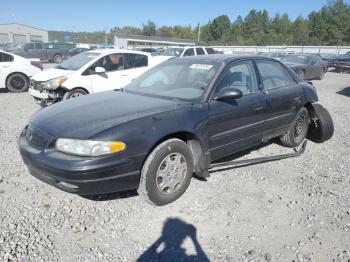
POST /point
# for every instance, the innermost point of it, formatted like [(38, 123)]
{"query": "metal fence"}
[(339, 50)]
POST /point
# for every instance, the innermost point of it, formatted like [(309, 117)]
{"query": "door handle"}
[(123, 75), (258, 107)]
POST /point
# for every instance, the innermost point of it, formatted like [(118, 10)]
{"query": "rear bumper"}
[(83, 176)]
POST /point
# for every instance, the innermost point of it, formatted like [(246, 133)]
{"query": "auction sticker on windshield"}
[(201, 66)]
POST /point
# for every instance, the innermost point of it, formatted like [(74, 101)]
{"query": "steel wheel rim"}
[(17, 83), (171, 173), (299, 126)]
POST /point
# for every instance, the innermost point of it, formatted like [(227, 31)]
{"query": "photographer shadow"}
[(168, 246)]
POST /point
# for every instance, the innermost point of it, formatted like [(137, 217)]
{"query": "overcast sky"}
[(87, 15)]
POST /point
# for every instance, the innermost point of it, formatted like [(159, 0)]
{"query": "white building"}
[(18, 33)]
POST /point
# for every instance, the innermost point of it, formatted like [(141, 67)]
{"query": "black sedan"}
[(308, 67), (171, 122)]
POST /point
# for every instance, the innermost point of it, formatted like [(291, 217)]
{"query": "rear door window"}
[(136, 60), (189, 52), (5, 57), (210, 51), (200, 51), (273, 74)]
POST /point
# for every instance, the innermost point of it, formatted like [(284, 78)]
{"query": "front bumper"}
[(81, 175)]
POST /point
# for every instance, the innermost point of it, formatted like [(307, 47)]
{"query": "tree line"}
[(328, 26)]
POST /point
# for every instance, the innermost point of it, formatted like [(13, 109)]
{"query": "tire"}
[(57, 59), (322, 74), (298, 130), (321, 126), (301, 73), (17, 82), (161, 189), (74, 93)]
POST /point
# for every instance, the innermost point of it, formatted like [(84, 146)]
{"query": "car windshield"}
[(75, 62), (298, 59), (176, 79), (173, 52)]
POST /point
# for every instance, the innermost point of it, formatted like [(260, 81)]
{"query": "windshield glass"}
[(176, 80), (77, 61), (173, 52), (298, 59)]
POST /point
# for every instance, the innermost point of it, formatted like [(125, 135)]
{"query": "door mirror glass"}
[(228, 93), (99, 70)]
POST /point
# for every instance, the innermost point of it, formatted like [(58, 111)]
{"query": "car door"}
[(113, 78), (283, 95), (39, 52), (30, 50), (238, 123), (6, 63), (135, 65)]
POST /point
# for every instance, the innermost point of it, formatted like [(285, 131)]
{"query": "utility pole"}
[(199, 33)]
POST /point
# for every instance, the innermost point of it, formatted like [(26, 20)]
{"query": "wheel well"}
[(195, 146), (16, 73), (57, 54), (75, 88)]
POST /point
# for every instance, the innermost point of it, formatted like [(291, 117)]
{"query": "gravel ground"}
[(290, 210)]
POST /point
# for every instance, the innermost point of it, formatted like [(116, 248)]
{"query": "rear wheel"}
[(74, 93), (17, 83), (167, 172), (321, 126), (58, 59), (297, 130), (322, 74)]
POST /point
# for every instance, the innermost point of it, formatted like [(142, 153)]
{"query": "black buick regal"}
[(171, 122)]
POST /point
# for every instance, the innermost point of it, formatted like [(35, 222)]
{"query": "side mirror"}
[(99, 70), (228, 93)]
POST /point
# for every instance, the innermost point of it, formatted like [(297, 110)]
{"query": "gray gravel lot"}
[(289, 210)]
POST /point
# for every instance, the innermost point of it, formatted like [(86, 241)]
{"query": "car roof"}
[(107, 51), (226, 58)]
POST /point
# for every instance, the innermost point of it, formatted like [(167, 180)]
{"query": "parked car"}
[(43, 51), (173, 120), (90, 72), (307, 66), (188, 51), (342, 65), (78, 50), (15, 71)]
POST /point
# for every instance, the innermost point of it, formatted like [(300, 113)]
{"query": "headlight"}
[(88, 147), (54, 83)]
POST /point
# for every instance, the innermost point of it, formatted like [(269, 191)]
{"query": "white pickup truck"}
[(91, 72)]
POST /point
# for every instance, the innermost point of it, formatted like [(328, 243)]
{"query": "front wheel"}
[(166, 173), (74, 93), (297, 130), (301, 73)]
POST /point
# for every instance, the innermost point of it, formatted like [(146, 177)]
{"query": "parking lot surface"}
[(290, 210)]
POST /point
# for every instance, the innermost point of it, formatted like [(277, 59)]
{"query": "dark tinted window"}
[(200, 51), (273, 74), (5, 57), (29, 46), (210, 51), (136, 60), (189, 52), (39, 46), (240, 76)]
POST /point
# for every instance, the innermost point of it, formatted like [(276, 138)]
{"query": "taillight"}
[(37, 64)]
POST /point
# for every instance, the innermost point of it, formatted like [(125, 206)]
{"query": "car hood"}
[(87, 116), (51, 74)]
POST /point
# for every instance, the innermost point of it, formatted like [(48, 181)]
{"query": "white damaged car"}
[(91, 72)]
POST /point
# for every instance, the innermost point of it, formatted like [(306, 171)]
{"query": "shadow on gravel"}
[(345, 91), (111, 196), (168, 246)]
